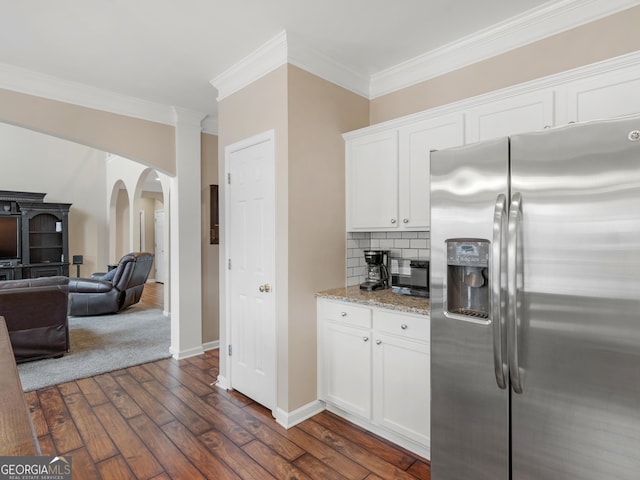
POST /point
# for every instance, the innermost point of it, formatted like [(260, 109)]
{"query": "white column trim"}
[(185, 237)]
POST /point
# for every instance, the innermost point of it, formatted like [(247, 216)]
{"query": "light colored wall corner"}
[(122, 225), (147, 205), (606, 38), (148, 142), (319, 112), (257, 108), (68, 173), (210, 253)]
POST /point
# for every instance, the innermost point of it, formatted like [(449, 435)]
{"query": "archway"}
[(152, 224)]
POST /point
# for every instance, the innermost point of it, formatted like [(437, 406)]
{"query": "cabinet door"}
[(524, 113), (347, 368), (604, 96), (401, 386), (416, 143), (372, 182)]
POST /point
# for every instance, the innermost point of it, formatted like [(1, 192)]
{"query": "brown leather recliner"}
[(35, 310), (98, 295)]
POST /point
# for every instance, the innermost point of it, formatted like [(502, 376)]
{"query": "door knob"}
[(265, 288)]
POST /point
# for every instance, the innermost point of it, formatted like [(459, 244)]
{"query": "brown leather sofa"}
[(35, 311), (113, 291)]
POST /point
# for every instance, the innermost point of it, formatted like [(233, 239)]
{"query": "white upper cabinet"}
[(608, 95), (387, 182), (388, 174), (416, 143), (519, 114), (372, 181)]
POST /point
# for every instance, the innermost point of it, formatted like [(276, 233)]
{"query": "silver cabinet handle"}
[(343, 314), (406, 220), (265, 288), (498, 300), (393, 220), (378, 342), (403, 326), (365, 339), (514, 283)]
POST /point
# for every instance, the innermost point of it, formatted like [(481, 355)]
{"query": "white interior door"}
[(159, 244), (251, 256)]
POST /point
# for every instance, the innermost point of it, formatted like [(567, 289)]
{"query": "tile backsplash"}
[(400, 245)]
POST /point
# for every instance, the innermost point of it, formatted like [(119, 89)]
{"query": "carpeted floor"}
[(101, 344)]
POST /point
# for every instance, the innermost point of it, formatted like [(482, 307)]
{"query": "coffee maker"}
[(377, 270)]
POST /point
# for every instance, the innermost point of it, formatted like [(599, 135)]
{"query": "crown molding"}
[(283, 49), (188, 117), (257, 64), (321, 65), (210, 125), (33, 83), (623, 67), (549, 19)]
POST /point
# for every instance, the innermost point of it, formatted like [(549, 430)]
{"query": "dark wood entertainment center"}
[(34, 236)]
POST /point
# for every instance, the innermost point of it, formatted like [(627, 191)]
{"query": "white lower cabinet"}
[(347, 368), (373, 369), (401, 396)]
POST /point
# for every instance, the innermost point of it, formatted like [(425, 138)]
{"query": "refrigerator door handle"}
[(514, 277), (497, 304)]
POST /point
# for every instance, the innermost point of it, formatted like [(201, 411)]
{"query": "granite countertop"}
[(380, 298)]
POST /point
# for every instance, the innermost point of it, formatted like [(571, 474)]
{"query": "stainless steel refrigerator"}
[(535, 306)]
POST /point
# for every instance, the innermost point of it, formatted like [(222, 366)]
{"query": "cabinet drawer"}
[(346, 313), (415, 327)]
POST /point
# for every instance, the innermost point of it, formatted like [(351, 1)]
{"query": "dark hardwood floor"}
[(153, 295), (165, 420)]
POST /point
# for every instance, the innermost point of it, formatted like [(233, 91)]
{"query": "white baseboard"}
[(191, 352), (291, 419), (222, 382), (211, 345)]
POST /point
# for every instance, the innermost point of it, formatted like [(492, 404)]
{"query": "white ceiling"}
[(168, 51)]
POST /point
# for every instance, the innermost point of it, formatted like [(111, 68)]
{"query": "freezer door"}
[(578, 299), (469, 411)]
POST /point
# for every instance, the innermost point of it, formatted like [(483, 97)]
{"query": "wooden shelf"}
[(44, 234)]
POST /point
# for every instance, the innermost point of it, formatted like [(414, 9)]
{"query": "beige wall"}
[(606, 38), (257, 108), (150, 143), (210, 253), (67, 173), (122, 222), (147, 204), (308, 115), (319, 112)]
